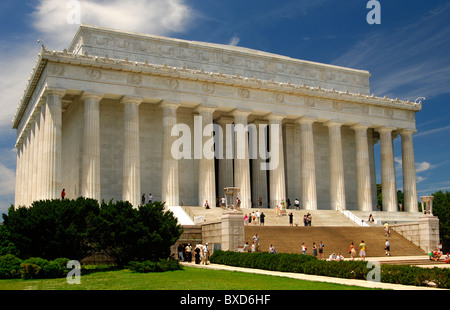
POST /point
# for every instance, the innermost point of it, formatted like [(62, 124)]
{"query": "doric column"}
[(308, 168), (206, 169), (53, 144), (337, 184), (90, 174), (409, 172), (241, 158), (131, 175), (36, 162), (276, 175), (259, 176), (41, 168), (225, 177), (362, 168), (27, 167), (388, 186), (19, 167), (170, 188)]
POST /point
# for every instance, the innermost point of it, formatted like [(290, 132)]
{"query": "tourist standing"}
[(362, 250), (189, 253), (314, 249), (63, 193), (262, 216), (256, 241), (304, 248), (143, 199), (371, 220), (150, 198), (297, 204), (180, 252), (352, 251), (321, 247), (291, 219)]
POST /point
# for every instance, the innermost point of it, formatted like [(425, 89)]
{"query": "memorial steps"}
[(332, 227), (288, 239)]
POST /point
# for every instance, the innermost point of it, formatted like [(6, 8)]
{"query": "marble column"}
[(41, 146), (241, 158), (36, 162), (388, 185), (53, 144), (170, 191), (90, 173), (362, 168), (337, 184), (308, 168), (225, 178), (409, 172), (277, 185), (259, 176), (206, 168), (131, 182), (27, 167)]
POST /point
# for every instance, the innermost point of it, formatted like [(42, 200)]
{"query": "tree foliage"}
[(441, 209), (77, 228)]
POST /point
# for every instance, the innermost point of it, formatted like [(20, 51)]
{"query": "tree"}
[(51, 228), (124, 233), (441, 209)]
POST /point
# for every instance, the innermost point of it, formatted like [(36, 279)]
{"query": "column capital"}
[(332, 123), (306, 120), (223, 120), (275, 117), (91, 95), (131, 100), (240, 112), (385, 129), (49, 91), (169, 105), (405, 131), (360, 126), (205, 108)]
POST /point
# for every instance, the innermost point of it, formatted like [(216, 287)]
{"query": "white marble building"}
[(96, 119)]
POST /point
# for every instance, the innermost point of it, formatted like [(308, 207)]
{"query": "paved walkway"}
[(301, 276)]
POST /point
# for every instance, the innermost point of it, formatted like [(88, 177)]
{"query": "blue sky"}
[(408, 54)]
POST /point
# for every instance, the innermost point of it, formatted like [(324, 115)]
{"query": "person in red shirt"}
[(63, 193)]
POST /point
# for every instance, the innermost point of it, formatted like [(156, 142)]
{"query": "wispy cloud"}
[(234, 41), (400, 60), (432, 131)]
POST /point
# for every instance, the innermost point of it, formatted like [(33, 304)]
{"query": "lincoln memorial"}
[(98, 119)]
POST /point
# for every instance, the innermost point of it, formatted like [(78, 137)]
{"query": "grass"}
[(190, 278)]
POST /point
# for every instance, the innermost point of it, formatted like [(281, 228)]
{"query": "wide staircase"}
[(333, 228), (288, 239)]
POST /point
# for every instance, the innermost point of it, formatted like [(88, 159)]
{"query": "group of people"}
[(255, 218), (201, 253), (436, 255), (150, 198)]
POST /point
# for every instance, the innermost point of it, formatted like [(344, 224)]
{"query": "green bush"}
[(39, 268), (396, 274), (9, 267), (155, 266)]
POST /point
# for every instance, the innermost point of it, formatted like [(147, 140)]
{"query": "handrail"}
[(354, 218)]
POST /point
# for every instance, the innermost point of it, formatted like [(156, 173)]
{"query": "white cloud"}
[(421, 167), (55, 18), (234, 41)]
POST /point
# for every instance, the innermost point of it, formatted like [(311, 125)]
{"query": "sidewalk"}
[(301, 276)]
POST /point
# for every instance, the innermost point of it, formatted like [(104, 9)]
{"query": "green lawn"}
[(190, 278)]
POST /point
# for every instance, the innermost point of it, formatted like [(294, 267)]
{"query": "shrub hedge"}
[(396, 274), (161, 265), (12, 267)]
